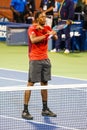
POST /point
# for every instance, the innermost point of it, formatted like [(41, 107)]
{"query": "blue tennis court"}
[(70, 104)]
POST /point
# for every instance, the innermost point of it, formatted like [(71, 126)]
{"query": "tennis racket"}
[(73, 22), (59, 27), (63, 26)]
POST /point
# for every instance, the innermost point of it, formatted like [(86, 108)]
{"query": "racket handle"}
[(73, 22), (50, 36)]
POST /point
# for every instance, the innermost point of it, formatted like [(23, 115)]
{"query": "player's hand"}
[(59, 20), (17, 13), (69, 22), (39, 27), (52, 32)]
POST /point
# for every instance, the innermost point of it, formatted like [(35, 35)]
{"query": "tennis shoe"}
[(26, 115), (48, 112), (54, 50), (66, 51)]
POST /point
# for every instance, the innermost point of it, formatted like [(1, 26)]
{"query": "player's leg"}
[(33, 77), (25, 113), (46, 111), (44, 95), (45, 76), (31, 74)]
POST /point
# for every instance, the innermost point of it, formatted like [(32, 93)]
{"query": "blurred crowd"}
[(57, 11), (24, 10)]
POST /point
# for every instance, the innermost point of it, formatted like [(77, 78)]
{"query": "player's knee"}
[(30, 84), (43, 83)]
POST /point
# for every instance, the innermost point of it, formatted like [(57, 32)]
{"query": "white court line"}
[(34, 85), (49, 85), (13, 79), (36, 122), (70, 78), (52, 75), (13, 70), (71, 85)]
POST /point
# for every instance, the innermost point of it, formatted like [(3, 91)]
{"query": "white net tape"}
[(38, 87)]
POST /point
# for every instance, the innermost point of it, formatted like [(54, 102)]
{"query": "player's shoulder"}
[(47, 27), (32, 27)]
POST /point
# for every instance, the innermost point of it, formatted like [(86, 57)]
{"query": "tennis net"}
[(69, 102)]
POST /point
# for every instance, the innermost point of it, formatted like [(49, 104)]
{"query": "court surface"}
[(70, 104)]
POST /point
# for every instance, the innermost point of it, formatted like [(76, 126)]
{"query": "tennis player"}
[(39, 63)]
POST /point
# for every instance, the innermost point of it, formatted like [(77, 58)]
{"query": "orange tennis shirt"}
[(38, 51)]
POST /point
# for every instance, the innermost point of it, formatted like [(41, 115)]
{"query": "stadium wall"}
[(5, 9)]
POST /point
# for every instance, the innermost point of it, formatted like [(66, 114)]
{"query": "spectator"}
[(47, 7), (55, 13), (31, 5), (78, 10), (79, 6), (75, 3), (85, 24), (66, 15), (20, 10), (85, 15)]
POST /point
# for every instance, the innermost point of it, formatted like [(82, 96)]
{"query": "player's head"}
[(37, 15), (40, 18)]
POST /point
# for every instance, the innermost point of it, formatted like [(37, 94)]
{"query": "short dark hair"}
[(37, 14)]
